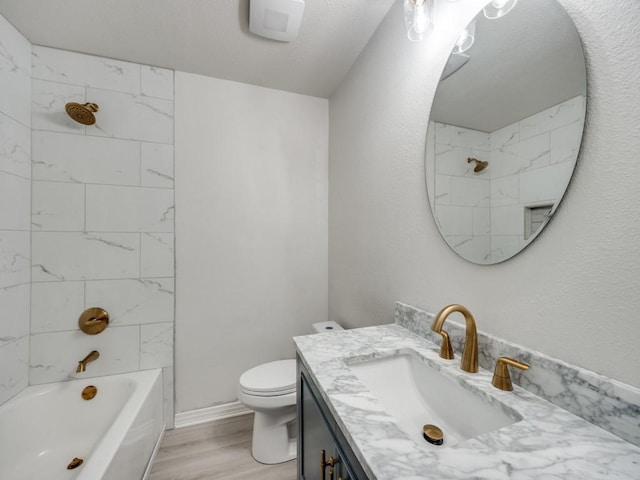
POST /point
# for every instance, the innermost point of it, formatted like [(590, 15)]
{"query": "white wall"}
[(102, 217), (572, 293), (251, 227), (15, 202)]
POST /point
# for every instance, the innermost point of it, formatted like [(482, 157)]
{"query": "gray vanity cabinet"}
[(320, 438)]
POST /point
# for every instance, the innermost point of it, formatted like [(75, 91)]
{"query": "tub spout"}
[(82, 364)]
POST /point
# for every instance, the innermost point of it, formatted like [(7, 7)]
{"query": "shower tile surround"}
[(611, 405), (102, 223), (15, 191), (529, 164)]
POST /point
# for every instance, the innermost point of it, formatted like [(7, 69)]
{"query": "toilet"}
[(270, 391)]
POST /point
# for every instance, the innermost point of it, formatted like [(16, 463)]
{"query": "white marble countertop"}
[(548, 443)]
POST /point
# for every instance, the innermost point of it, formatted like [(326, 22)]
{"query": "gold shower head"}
[(480, 166), (82, 113)]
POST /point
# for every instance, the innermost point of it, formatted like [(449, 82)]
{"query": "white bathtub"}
[(116, 433)]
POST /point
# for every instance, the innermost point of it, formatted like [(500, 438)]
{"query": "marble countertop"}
[(548, 443)]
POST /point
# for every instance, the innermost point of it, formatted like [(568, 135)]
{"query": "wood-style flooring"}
[(215, 451)]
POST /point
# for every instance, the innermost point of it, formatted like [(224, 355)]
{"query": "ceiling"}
[(520, 64), (208, 37)]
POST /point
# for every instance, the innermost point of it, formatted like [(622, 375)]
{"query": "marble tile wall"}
[(530, 162), (102, 217), (462, 197), (15, 202)]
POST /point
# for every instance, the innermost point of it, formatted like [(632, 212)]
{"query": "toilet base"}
[(274, 436)]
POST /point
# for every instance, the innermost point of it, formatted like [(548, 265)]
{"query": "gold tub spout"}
[(469, 362), (82, 364)]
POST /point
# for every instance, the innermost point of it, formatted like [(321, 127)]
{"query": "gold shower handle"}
[(93, 320)]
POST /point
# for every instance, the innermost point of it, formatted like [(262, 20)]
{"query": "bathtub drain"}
[(75, 463)]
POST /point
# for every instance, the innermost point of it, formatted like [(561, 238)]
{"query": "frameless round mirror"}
[(505, 129)]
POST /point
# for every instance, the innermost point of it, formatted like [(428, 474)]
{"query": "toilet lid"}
[(273, 378)]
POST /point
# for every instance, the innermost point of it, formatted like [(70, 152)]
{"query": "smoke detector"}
[(276, 19)]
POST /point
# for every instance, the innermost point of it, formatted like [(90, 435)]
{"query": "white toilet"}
[(270, 390)]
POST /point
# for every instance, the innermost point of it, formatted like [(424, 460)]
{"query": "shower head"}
[(480, 166), (82, 113)]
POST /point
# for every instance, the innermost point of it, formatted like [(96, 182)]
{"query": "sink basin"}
[(415, 393)]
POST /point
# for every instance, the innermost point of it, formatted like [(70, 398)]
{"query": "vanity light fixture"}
[(498, 8), (418, 18)]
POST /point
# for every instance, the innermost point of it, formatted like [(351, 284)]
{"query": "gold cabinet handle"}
[(324, 463), (501, 378)]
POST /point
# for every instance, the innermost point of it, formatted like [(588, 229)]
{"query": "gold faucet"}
[(82, 364), (469, 362)]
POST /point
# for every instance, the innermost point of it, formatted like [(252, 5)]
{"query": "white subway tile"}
[(14, 305), (56, 306), (132, 302), (15, 73), (14, 258), (454, 220), (157, 255), (507, 220), (58, 206), (465, 137), (109, 209), (15, 147), (471, 192), (157, 165), (565, 143), (548, 183), (62, 157), (481, 221), (85, 70), (505, 246), (55, 356), (157, 82), (48, 106), (15, 202), (505, 191), (443, 190), (14, 368), (134, 117), (156, 345), (167, 383), (80, 256)]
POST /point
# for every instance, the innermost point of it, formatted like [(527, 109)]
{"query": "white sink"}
[(415, 393)]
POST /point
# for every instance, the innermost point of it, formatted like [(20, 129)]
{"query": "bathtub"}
[(116, 433)]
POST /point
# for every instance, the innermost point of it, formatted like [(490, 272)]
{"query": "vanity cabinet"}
[(320, 439)]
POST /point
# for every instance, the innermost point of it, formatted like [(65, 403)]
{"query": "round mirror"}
[(505, 128)]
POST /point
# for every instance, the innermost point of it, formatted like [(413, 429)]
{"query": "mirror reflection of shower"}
[(480, 165)]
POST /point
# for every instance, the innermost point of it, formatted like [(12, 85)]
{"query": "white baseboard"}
[(209, 414)]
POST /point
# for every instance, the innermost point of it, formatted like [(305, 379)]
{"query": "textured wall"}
[(251, 226), (15, 202), (573, 293), (102, 217)]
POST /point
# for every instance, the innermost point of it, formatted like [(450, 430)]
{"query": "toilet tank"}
[(323, 327)]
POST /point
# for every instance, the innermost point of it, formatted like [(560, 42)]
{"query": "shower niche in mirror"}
[(505, 130)]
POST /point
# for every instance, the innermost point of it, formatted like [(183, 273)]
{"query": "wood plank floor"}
[(214, 451)]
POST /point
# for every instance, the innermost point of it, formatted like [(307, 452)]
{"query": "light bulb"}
[(466, 39), (417, 18)]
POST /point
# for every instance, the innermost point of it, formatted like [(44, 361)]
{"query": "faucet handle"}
[(446, 351), (501, 378)]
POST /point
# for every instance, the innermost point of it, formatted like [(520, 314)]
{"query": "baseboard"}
[(209, 414)]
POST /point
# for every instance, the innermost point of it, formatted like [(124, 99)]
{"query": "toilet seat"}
[(270, 379)]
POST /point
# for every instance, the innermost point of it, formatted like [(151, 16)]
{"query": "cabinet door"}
[(314, 438)]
